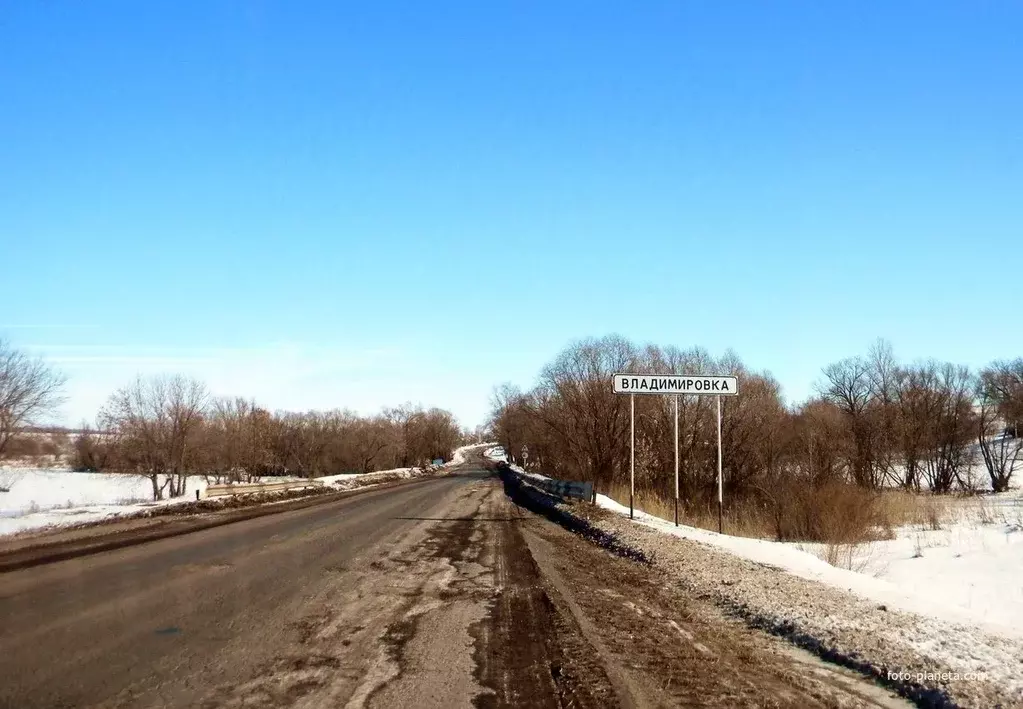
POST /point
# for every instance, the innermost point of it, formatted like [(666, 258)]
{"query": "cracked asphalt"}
[(438, 593)]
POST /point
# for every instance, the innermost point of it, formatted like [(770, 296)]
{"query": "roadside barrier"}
[(224, 489)]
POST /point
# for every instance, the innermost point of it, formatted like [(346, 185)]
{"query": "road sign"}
[(676, 384)]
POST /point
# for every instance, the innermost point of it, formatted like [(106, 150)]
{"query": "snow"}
[(459, 456), (496, 453), (39, 490), (973, 561), (980, 587), (59, 517), (43, 497), (335, 479)]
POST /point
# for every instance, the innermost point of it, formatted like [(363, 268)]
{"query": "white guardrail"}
[(224, 489)]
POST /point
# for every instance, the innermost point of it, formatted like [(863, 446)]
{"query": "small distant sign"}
[(438, 461)]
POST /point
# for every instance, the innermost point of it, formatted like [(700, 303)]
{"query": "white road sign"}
[(674, 384)]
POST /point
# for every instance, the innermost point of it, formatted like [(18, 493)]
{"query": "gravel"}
[(838, 626)]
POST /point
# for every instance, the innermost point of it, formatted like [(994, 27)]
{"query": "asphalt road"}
[(442, 593), (164, 622)]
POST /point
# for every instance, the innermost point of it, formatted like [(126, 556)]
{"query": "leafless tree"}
[(817, 444), (575, 402), (1000, 444), (1005, 383), (918, 401), (237, 440), (93, 451), (947, 459), (847, 384), (29, 390), (885, 376), (157, 421)]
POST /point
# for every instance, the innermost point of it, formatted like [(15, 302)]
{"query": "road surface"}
[(438, 593)]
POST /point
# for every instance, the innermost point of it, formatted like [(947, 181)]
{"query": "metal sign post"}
[(676, 460), (677, 384), (632, 451), (721, 514)]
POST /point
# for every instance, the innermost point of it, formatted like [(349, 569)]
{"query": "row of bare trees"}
[(169, 428), (571, 425), (873, 422), (926, 423)]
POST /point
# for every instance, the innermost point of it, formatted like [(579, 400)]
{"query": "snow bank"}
[(459, 456), (344, 477), (496, 453), (916, 597)]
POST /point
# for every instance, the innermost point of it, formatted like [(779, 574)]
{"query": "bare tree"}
[(1005, 382), (576, 403), (947, 459), (1000, 444), (818, 439), (884, 375), (848, 385), (918, 400), (93, 451), (29, 390), (157, 421)]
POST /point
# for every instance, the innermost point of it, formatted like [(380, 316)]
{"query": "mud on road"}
[(493, 606), (454, 614), (441, 595)]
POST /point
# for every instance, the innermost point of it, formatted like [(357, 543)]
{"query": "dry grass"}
[(856, 557), (742, 520), (837, 514), (920, 509)]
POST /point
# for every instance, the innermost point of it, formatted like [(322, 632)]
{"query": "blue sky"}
[(331, 204)]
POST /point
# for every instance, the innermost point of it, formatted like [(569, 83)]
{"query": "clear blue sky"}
[(324, 204)]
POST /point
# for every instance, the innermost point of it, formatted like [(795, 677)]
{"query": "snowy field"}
[(973, 561), (45, 497)]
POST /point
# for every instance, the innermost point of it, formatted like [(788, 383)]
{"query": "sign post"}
[(677, 384), (676, 460), (720, 494), (632, 451)]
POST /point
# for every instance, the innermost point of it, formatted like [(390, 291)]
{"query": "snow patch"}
[(917, 591)]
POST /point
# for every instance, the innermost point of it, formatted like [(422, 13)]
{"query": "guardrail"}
[(564, 488), (223, 489), (558, 488)]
